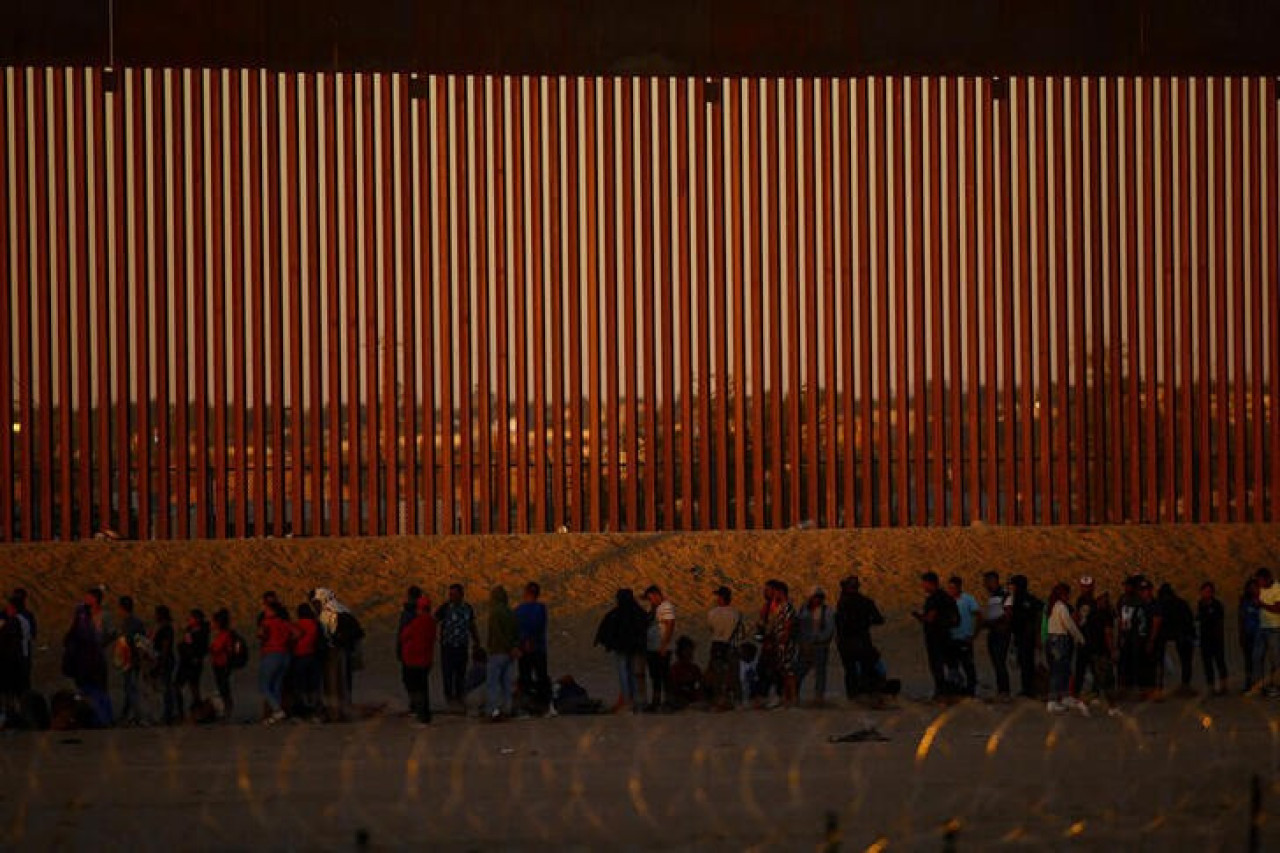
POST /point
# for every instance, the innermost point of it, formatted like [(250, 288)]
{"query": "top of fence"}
[(755, 37)]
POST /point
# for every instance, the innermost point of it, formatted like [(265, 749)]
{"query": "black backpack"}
[(347, 633), (238, 656)]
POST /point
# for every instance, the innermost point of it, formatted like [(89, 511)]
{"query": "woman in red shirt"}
[(304, 671), (417, 653), (277, 634), (220, 651)]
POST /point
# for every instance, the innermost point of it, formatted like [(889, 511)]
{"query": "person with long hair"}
[(277, 634), (1063, 636)]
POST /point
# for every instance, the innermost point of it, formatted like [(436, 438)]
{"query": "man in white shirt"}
[(661, 639), (721, 679), (996, 619)]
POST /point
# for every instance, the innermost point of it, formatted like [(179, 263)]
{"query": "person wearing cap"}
[(995, 619), (721, 678), (659, 643), (815, 627), (856, 614), (1180, 631)]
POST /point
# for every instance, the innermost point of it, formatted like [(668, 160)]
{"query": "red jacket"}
[(418, 640), (307, 637)]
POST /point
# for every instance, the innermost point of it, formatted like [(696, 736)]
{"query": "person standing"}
[(503, 648), (84, 662), (417, 645), (1026, 613), (531, 622), (997, 620), (856, 615), (343, 634), (408, 612), (815, 628), (276, 635), (778, 653), (221, 651), (1211, 619), (659, 643), (459, 638), (192, 649), (19, 601), (15, 659), (1180, 630), (129, 660), (305, 665), (724, 690), (622, 632), (937, 617), (967, 615), (1149, 625), (1267, 646), (163, 664), (1062, 637), (1249, 628)]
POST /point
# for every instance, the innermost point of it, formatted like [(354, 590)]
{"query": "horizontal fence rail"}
[(244, 303)]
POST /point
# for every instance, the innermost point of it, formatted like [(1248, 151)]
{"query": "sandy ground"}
[(1171, 775)]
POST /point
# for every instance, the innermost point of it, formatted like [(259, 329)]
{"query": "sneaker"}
[(274, 718), (1055, 707), (552, 712), (495, 714)]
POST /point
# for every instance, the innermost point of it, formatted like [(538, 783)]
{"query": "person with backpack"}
[(622, 634), (228, 652), (192, 650), (723, 687), (126, 658), (856, 615), (937, 617), (1026, 614), (343, 635)]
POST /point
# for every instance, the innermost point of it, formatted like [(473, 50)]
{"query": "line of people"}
[(305, 662), (1064, 651), (761, 659)]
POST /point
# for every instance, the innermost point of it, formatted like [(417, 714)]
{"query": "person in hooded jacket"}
[(342, 634), (417, 643), (84, 662), (622, 633), (504, 650)]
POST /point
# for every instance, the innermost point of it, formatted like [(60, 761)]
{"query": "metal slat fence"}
[(242, 303)]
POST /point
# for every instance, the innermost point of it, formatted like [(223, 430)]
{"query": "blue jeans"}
[(271, 673), (815, 661), (498, 683), (132, 696), (626, 676), (1266, 648), (1058, 649)]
